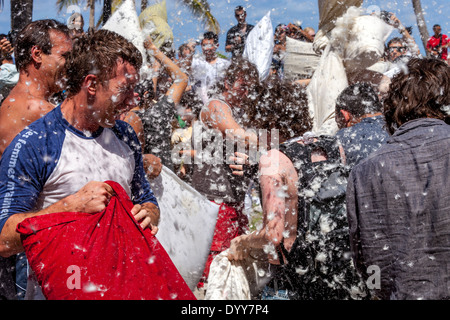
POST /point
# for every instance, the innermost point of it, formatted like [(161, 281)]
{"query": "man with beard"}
[(40, 56)]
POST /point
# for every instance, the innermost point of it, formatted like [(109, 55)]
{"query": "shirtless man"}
[(40, 56)]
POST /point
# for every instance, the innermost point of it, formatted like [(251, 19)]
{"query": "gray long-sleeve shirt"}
[(398, 204)]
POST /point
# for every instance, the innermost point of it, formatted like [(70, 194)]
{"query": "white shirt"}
[(204, 74)]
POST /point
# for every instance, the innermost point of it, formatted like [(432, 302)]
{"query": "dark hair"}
[(436, 25), (97, 53), (359, 99), (394, 40), (239, 8), (146, 91), (211, 35), (420, 92), (281, 105), (181, 49), (36, 33), (8, 37), (240, 68), (193, 101)]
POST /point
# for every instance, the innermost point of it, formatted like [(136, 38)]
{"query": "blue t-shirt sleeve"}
[(21, 175), (140, 186)]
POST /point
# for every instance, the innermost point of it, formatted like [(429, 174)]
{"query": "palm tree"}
[(199, 8), (21, 15), (107, 9), (421, 24), (143, 5)]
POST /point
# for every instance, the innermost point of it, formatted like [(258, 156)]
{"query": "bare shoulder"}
[(16, 114), (134, 120), (37, 108), (131, 116), (215, 106), (275, 162), (20, 109), (215, 110)]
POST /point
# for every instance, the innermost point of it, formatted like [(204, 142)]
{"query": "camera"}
[(7, 37), (385, 16)]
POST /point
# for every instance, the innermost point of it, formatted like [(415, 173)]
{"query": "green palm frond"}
[(201, 9)]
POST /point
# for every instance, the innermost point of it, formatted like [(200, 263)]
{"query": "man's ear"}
[(347, 115), (90, 83), (350, 119), (36, 55)]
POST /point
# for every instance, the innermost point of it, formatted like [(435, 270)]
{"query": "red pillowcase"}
[(102, 256)]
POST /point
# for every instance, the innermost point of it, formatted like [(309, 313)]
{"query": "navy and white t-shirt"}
[(50, 160)]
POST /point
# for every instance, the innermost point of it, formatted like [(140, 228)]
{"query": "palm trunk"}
[(92, 14), (107, 9), (422, 25), (21, 15), (143, 5)]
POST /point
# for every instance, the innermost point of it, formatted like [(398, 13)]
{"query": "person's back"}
[(322, 229), (40, 62), (407, 198), (398, 207)]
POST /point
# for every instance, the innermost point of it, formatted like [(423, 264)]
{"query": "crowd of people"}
[(333, 206)]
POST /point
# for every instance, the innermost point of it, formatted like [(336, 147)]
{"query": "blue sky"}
[(185, 26)]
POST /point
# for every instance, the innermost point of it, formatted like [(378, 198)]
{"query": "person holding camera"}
[(9, 76), (398, 47), (398, 50), (438, 43)]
